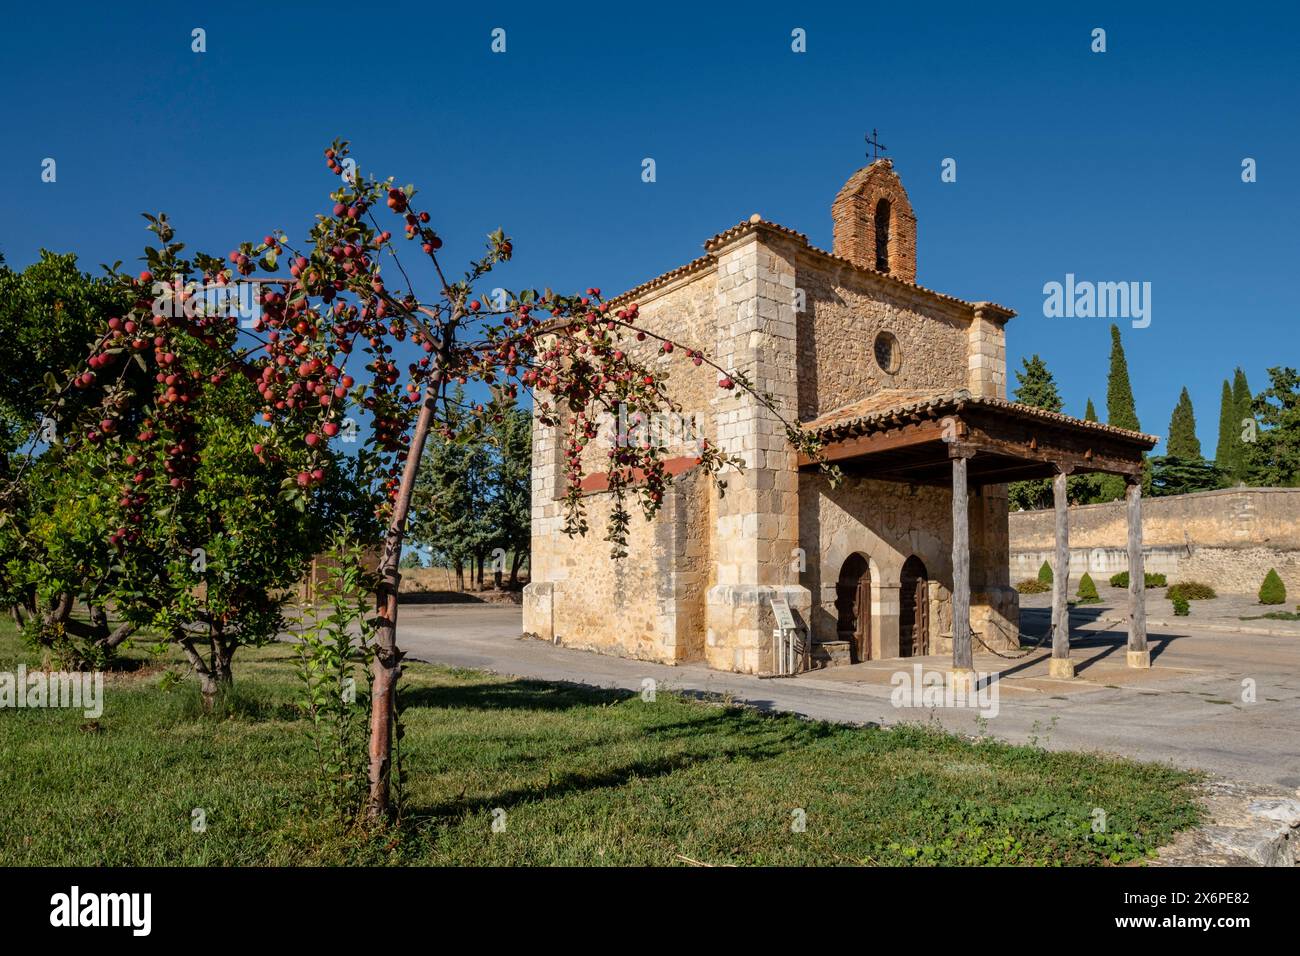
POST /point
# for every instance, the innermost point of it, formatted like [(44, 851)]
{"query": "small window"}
[(888, 354)]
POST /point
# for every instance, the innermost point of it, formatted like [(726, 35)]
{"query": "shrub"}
[(1272, 591), (1032, 586), (1045, 574), (1152, 580), (1087, 590), (1190, 591), (1181, 607)]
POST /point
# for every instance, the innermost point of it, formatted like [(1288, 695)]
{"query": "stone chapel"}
[(905, 386)]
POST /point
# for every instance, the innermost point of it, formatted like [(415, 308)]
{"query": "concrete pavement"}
[(1192, 708)]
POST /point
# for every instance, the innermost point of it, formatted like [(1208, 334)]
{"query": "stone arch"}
[(854, 603), (856, 224)]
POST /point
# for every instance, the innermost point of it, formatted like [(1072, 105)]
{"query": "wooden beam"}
[(1061, 665), (1138, 654), (961, 642), (876, 442)]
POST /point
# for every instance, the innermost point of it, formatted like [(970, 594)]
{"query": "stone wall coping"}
[(1213, 493)]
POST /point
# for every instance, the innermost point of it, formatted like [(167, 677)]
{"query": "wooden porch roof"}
[(899, 435)]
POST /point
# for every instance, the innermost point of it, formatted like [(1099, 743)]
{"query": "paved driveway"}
[(1188, 709)]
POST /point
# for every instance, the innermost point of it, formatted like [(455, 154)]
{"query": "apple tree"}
[(370, 322)]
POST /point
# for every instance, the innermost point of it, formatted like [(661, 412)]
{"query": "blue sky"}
[(1120, 166)]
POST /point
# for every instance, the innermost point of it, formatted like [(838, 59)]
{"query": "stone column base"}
[(1062, 668), (740, 624), (1139, 659), (539, 610)]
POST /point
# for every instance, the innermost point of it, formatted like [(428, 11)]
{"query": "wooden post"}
[(1061, 666), (1138, 654), (962, 668)]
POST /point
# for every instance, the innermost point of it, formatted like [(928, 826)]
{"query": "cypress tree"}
[(1120, 409), (1241, 411), (1120, 412), (1225, 451), (1087, 488), (1182, 441)]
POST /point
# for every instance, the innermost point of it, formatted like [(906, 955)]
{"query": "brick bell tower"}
[(874, 224)]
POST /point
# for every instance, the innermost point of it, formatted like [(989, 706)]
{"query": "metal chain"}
[(1012, 657)]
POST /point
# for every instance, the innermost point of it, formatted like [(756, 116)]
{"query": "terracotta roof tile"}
[(753, 225), (862, 416)]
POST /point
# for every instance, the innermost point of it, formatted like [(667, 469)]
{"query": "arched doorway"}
[(853, 606), (913, 610)]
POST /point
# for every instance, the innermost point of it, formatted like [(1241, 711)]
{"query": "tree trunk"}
[(208, 672), (387, 655), (516, 561), (215, 674)]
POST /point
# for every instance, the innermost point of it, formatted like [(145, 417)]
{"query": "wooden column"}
[(961, 642), (1061, 665), (1138, 654)]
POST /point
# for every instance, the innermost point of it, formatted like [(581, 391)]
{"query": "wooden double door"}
[(914, 610), (853, 607)]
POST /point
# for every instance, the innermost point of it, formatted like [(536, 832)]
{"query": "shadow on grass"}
[(748, 735), (513, 695), (761, 744)]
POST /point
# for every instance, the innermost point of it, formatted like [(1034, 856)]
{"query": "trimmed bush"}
[(1045, 574), (1181, 607), (1190, 591), (1032, 586), (1272, 591), (1152, 580), (1087, 590)]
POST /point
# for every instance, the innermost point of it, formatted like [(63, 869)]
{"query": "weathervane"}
[(876, 146)]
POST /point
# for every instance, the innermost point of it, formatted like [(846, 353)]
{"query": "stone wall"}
[(1228, 538), (650, 604), (886, 523), (844, 312)]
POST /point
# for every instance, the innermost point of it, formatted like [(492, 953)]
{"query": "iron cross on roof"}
[(876, 146)]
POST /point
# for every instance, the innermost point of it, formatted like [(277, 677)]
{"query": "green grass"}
[(1274, 616), (584, 777)]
